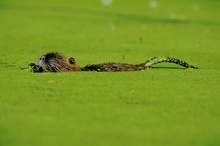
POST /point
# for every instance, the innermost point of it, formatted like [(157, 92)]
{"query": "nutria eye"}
[(72, 60)]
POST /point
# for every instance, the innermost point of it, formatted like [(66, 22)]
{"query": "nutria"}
[(56, 62)]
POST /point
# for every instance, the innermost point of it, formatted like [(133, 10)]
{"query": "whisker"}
[(55, 67)]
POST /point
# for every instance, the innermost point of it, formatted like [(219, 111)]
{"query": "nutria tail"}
[(156, 60)]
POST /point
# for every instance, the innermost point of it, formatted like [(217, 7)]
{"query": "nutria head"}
[(56, 62)]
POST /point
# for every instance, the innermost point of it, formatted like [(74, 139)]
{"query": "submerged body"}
[(56, 62)]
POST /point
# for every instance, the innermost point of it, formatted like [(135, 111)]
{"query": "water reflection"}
[(106, 2), (153, 4)]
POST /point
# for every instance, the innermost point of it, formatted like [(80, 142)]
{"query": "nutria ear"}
[(72, 61)]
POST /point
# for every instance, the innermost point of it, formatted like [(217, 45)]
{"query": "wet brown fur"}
[(56, 62), (64, 63)]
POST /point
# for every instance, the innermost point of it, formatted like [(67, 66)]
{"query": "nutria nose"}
[(42, 58)]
